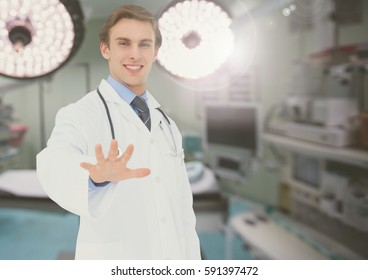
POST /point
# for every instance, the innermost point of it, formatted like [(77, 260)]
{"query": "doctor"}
[(136, 204)]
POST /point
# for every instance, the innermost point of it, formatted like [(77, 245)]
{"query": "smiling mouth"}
[(133, 68)]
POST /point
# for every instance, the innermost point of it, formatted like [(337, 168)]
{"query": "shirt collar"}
[(123, 91)]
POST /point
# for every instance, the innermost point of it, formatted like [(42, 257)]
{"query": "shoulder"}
[(87, 106)]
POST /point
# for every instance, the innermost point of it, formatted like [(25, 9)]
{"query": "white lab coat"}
[(146, 218)]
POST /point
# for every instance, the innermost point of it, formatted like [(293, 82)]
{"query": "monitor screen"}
[(306, 169), (232, 125)]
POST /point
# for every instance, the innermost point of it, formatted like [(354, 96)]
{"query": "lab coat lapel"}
[(156, 116)]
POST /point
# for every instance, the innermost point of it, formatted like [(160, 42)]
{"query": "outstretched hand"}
[(113, 168)]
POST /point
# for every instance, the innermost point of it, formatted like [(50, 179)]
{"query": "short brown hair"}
[(130, 12)]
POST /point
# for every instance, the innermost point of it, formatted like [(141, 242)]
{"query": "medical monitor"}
[(232, 125)]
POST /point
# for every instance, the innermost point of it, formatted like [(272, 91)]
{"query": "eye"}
[(145, 44), (123, 43)]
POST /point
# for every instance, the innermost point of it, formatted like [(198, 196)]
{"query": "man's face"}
[(130, 53)]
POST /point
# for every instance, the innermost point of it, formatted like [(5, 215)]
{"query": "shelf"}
[(348, 155)]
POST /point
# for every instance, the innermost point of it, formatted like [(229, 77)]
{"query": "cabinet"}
[(328, 188)]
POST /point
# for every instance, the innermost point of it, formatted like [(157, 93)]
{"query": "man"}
[(137, 205)]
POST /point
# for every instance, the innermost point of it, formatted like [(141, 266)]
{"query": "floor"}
[(43, 235), (36, 235)]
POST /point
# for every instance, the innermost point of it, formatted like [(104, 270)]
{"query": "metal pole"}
[(42, 113)]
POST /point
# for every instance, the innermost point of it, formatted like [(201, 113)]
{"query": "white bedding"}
[(22, 183)]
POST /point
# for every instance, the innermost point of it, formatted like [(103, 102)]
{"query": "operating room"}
[(271, 100)]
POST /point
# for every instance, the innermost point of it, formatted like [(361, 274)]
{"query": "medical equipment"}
[(231, 133), (326, 111), (23, 30), (233, 125), (175, 151), (231, 166), (195, 170), (192, 144)]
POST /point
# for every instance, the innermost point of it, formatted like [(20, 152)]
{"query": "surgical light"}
[(196, 38), (37, 37)]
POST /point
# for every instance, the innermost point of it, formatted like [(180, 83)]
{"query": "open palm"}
[(113, 168)]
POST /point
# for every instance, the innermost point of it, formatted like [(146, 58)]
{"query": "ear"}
[(105, 51), (155, 54)]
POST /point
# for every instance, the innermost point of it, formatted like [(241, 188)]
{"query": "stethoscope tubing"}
[(112, 126), (108, 114)]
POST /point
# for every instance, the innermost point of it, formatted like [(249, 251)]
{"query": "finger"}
[(87, 166), (99, 154), (127, 154), (113, 153), (138, 173)]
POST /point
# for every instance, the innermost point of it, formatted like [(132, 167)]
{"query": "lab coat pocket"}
[(172, 168)]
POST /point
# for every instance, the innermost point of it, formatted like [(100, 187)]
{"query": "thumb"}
[(85, 165), (137, 173)]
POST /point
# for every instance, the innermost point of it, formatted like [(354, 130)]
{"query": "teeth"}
[(133, 67)]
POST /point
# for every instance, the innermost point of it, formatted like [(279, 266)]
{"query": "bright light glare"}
[(51, 29), (196, 38), (286, 12)]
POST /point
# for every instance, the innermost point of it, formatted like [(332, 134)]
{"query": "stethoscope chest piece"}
[(120, 152)]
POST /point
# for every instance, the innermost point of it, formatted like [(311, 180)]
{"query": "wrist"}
[(100, 184)]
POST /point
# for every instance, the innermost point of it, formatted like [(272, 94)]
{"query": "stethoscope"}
[(174, 148)]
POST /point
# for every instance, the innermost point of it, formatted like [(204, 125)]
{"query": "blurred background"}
[(271, 97)]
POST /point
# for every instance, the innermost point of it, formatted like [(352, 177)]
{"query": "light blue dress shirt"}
[(124, 92), (127, 95)]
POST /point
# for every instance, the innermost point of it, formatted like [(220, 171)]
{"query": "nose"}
[(135, 52)]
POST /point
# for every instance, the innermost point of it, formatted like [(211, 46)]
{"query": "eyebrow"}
[(127, 39)]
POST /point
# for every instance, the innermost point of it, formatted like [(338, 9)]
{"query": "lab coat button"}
[(151, 141), (163, 220), (158, 179)]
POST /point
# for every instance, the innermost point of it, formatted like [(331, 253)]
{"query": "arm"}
[(58, 164), (64, 167)]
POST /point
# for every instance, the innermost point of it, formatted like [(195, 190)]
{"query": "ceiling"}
[(97, 9)]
